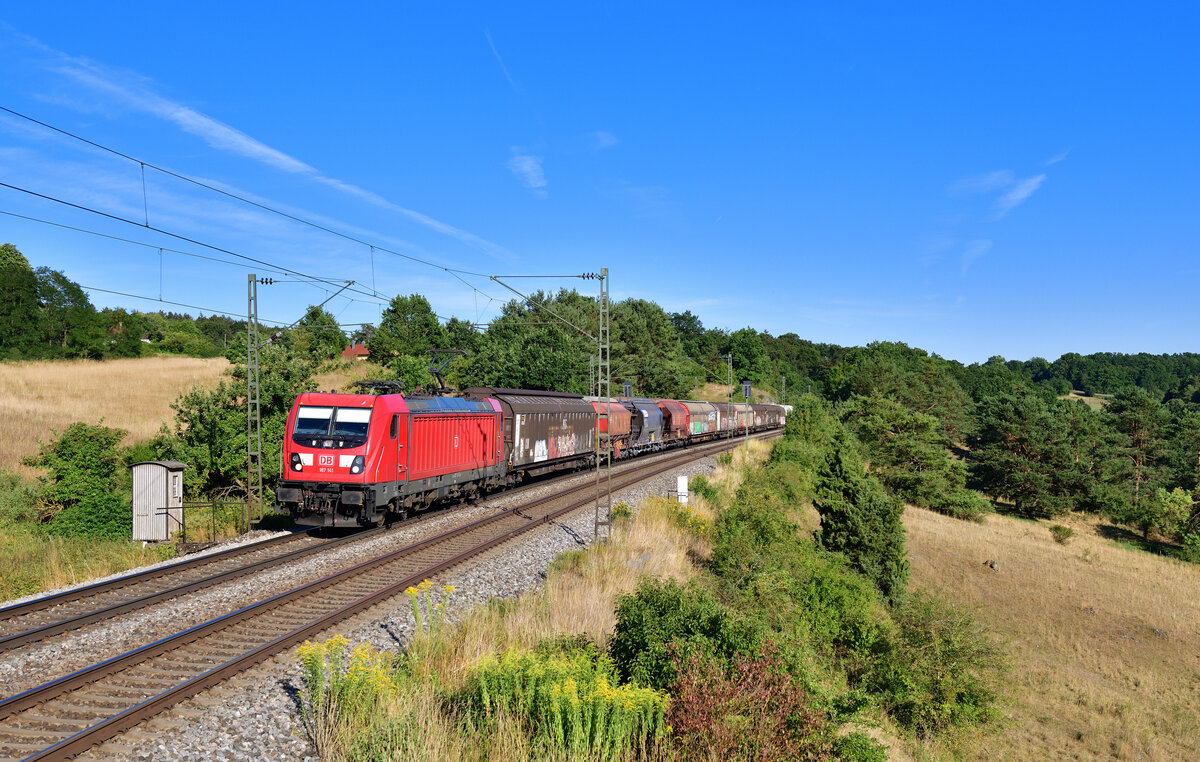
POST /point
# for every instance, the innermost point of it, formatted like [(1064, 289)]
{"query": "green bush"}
[(1190, 542), (699, 485), (663, 618), (1061, 534), (960, 503), (862, 521), (859, 747), (940, 671), (79, 496), (18, 499)]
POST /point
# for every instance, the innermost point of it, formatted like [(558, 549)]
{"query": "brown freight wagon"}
[(617, 424), (543, 431), (675, 420)]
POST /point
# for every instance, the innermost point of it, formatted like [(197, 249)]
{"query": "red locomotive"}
[(353, 459)]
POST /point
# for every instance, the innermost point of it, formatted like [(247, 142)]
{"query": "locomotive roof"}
[(446, 403)]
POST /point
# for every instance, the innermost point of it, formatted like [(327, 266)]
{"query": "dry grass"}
[(31, 563), (1095, 402), (343, 372), (711, 392), (1104, 641), (579, 598), (38, 398)]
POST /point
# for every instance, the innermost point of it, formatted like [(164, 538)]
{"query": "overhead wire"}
[(118, 218), (457, 273), (228, 194)]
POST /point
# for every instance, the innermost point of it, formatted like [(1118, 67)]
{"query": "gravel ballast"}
[(254, 715)]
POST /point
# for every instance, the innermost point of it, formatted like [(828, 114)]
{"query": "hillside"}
[(1103, 639), (135, 394)]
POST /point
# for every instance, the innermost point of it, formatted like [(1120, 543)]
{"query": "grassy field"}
[(711, 392), (1104, 640), (1095, 401), (38, 398)]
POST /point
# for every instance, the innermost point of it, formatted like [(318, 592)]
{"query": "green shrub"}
[(79, 496), (941, 670), (960, 503), (699, 485), (862, 521), (859, 747), (1061, 534), (571, 702), (18, 499), (1190, 542), (662, 618)]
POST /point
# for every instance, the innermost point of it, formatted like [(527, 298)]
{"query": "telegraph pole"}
[(603, 367), (603, 517), (254, 477)]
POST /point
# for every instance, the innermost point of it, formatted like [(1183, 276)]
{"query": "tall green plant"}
[(860, 520), (573, 703), (79, 495)]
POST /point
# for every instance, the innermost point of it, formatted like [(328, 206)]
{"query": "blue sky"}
[(1016, 180)]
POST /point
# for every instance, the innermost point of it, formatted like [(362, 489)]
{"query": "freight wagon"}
[(354, 459)]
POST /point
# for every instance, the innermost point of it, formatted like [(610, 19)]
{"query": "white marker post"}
[(681, 489)]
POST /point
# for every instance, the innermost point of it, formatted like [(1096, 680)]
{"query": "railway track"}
[(45, 617), (68, 716)]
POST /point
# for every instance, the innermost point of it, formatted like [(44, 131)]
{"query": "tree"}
[(905, 450), (209, 432), (12, 258), (526, 347), (19, 314), (408, 327), (749, 357), (1021, 452), (647, 349), (1163, 512), (1141, 422), (124, 331), (70, 327), (860, 520), (317, 336)]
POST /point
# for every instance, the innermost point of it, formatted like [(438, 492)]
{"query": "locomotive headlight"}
[(356, 466), (296, 464)]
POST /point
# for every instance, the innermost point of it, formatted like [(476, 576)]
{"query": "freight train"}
[(356, 459)]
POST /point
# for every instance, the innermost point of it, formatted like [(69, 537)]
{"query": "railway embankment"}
[(259, 715)]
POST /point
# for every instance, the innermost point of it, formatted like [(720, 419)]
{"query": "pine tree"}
[(862, 521)]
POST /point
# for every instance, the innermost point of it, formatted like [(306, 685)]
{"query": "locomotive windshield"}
[(331, 427)]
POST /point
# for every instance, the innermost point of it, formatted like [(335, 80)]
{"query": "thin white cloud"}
[(602, 139), (975, 249), (528, 169), (1018, 195), (499, 60), (1058, 157), (985, 183), (134, 93)]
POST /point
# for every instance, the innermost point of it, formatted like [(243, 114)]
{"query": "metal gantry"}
[(254, 477), (604, 392)]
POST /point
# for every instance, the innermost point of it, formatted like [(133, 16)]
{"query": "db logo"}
[(324, 460)]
